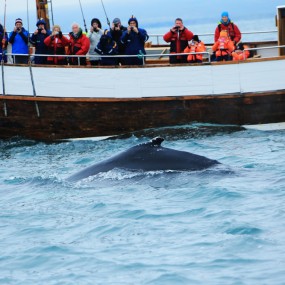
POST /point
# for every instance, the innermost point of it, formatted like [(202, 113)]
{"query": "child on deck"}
[(240, 53), (195, 46), (223, 47)]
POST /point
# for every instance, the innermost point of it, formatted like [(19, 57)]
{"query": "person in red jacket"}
[(56, 44), (178, 37), (195, 46), (223, 47), (228, 25), (79, 45)]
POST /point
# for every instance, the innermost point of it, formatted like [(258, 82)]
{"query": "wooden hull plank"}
[(63, 118)]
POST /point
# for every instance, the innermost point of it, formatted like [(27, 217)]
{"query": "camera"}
[(18, 29), (132, 28), (177, 28), (116, 25), (40, 30)]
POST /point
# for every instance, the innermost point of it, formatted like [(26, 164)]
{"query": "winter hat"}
[(116, 21), (18, 20), (196, 38), (225, 14), (240, 46), (95, 20), (133, 19), (41, 21)]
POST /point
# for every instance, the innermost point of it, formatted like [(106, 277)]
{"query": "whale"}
[(150, 156)]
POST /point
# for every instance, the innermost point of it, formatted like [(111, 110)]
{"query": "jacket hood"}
[(133, 19), (41, 22), (95, 20)]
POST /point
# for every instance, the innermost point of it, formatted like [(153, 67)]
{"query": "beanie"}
[(95, 20), (116, 21), (18, 20), (196, 38), (240, 46), (225, 14)]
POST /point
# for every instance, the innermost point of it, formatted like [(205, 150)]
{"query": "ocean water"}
[(122, 227)]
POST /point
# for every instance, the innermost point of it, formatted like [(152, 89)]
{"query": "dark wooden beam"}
[(42, 11)]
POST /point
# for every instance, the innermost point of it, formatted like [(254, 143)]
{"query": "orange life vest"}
[(224, 46), (197, 47), (241, 54)]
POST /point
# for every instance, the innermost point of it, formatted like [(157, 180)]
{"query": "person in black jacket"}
[(37, 40), (107, 47), (3, 44), (116, 33)]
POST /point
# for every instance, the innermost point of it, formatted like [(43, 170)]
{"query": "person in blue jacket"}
[(19, 39), (134, 39), (3, 44), (37, 40), (107, 47)]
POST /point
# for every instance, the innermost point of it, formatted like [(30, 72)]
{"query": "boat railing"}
[(264, 48), (141, 56)]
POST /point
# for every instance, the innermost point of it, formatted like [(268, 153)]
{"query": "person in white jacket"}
[(94, 36)]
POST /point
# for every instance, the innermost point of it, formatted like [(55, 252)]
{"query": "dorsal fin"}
[(157, 141)]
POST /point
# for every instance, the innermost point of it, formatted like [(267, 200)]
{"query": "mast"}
[(43, 11)]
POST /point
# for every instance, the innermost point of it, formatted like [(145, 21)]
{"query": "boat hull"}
[(62, 118)]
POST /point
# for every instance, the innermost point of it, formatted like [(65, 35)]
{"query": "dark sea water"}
[(220, 226)]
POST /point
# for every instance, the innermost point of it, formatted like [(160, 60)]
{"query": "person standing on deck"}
[(3, 43), (79, 45), (57, 44), (116, 32), (107, 47), (227, 25), (37, 40), (134, 39), (94, 36), (19, 39), (178, 37)]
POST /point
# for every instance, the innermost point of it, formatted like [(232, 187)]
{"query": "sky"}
[(152, 15)]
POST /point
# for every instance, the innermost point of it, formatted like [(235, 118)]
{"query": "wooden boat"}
[(76, 102)]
